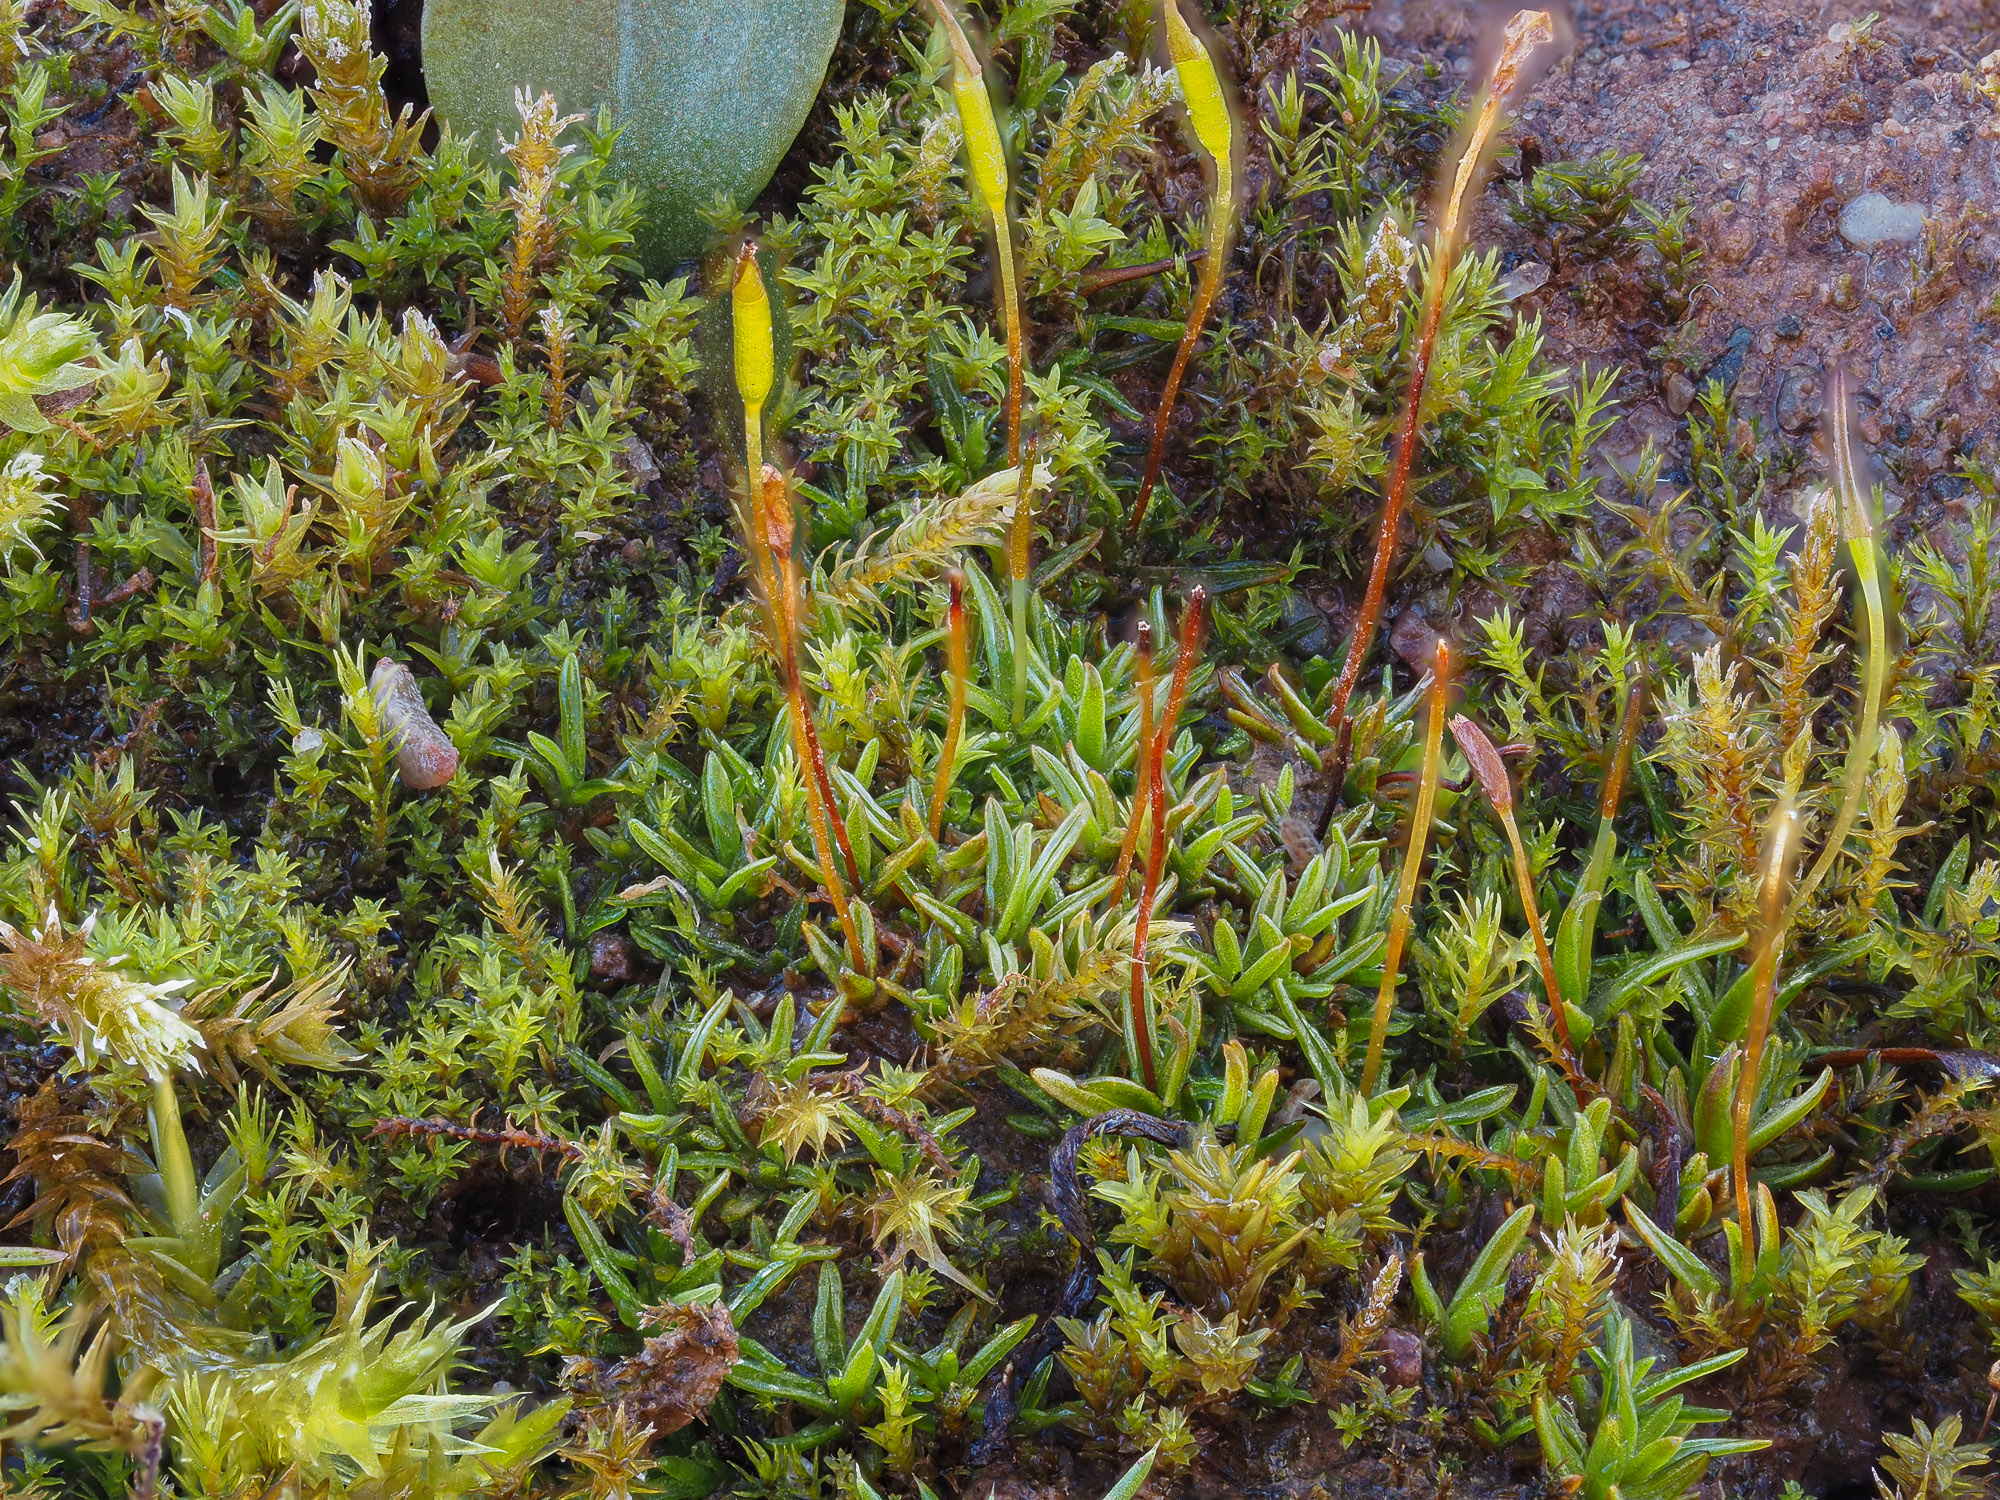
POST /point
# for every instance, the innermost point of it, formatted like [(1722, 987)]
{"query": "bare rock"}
[(637, 459), (1732, 233), (425, 756), (1809, 153)]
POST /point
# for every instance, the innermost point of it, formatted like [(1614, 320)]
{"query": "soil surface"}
[(1844, 178)]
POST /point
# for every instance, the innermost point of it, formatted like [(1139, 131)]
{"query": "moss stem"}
[(1197, 318), (1019, 551), (829, 830), (1858, 522), (958, 655), (176, 1164), (1215, 127), (1144, 801), (1413, 864), (1491, 773), (1779, 844), (1527, 31), (1010, 294), (1143, 768)]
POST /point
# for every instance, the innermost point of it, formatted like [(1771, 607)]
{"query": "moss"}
[(666, 1101)]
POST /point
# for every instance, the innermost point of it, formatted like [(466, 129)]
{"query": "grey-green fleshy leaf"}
[(711, 93)]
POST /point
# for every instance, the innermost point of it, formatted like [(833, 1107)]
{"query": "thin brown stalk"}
[(1779, 845), (1089, 283), (1215, 128), (1142, 785), (1612, 791), (203, 494), (1413, 863), (1194, 625), (1143, 804), (829, 831), (1525, 32), (1491, 773), (507, 1137), (1149, 890), (1198, 309), (955, 636), (1020, 548)]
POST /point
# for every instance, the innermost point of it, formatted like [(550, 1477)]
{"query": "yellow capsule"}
[(983, 152), (751, 306), (1201, 88)]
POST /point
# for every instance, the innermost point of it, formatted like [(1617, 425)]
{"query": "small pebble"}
[(1402, 1358), (637, 460), (610, 959), (1302, 845), (1528, 277), (1799, 399), (1315, 639), (1872, 220), (1413, 639), (1790, 326), (1680, 393), (425, 755), (1729, 364)]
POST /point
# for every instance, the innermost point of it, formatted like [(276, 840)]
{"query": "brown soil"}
[(1772, 118)]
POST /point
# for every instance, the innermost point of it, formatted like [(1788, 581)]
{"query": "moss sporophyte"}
[(778, 884)]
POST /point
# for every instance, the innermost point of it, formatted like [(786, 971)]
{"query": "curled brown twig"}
[(507, 1138)]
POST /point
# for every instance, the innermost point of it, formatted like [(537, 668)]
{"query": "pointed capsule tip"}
[(1487, 766), (1527, 30)]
